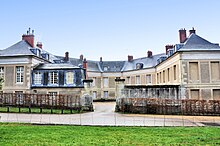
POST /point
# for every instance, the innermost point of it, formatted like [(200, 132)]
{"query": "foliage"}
[(26, 134), (1, 82), (37, 110)]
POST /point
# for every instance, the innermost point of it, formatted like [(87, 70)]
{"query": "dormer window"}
[(105, 68), (45, 56), (139, 65), (36, 51)]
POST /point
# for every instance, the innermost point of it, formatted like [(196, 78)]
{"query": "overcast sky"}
[(111, 29)]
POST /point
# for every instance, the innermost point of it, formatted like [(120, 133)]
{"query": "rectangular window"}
[(160, 77), (174, 72), (193, 71), (194, 94), (94, 82), (105, 82), (19, 74), (138, 80), (128, 80), (215, 70), (168, 74), (94, 94), (164, 76), (2, 72), (69, 77), (216, 94), (53, 77), (148, 79), (105, 94), (37, 78)]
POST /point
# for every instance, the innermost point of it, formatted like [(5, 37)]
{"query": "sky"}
[(111, 29)]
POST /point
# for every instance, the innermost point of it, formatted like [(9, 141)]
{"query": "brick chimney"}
[(85, 66), (130, 58), (149, 53), (168, 47), (81, 57), (66, 58), (182, 35), (39, 45), (29, 37), (192, 31)]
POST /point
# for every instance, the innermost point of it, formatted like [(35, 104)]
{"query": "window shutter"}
[(61, 78), (45, 82)]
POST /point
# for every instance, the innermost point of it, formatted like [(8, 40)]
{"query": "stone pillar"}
[(86, 96), (119, 86), (118, 92)]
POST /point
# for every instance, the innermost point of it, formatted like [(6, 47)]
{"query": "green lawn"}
[(37, 110), (26, 134)]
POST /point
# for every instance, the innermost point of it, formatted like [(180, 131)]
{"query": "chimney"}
[(149, 53), (100, 59), (81, 57), (182, 35), (168, 47), (130, 58), (29, 37), (39, 45), (85, 66), (66, 58), (192, 31)]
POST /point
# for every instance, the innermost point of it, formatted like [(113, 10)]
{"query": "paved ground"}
[(104, 115)]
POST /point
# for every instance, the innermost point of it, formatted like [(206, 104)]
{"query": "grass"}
[(37, 110), (27, 134)]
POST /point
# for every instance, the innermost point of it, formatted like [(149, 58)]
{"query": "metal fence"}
[(168, 106), (40, 101)]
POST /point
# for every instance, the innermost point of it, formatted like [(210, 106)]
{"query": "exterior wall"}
[(200, 74), (103, 86), (168, 72), (10, 63)]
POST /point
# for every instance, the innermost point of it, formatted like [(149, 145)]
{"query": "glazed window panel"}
[(168, 74), (69, 77), (19, 74), (174, 72), (193, 71), (94, 82), (148, 79), (215, 70), (37, 78), (53, 77), (128, 80), (138, 80), (105, 82)]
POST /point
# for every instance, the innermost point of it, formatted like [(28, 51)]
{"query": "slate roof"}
[(56, 66), (22, 48), (147, 62), (19, 49), (197, 43)]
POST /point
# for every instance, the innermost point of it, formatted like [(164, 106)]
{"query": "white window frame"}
[(19, 74), (53, 76), (37, 78)]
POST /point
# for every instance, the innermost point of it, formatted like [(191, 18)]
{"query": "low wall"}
[(46, 101), (168, 106)]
